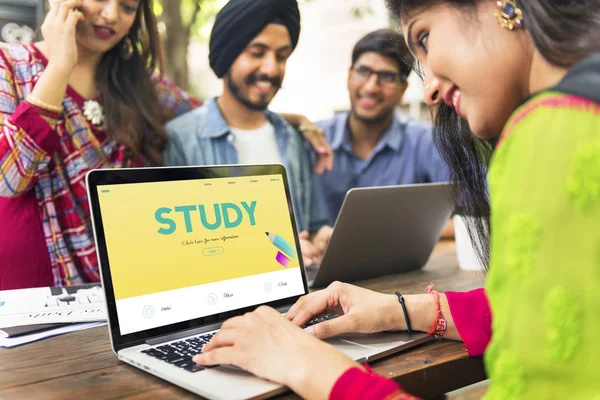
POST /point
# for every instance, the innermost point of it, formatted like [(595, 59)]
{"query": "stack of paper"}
[(12, 341), (48, 311)]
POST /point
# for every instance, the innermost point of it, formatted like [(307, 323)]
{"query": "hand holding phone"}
[(59, 32)]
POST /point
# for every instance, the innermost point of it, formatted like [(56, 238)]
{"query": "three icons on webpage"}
[(212, 299)]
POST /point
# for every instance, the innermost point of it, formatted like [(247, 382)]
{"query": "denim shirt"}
[(405, 154), (203, 137)]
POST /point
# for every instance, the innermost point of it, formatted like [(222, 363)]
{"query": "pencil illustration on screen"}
[(286, 252)]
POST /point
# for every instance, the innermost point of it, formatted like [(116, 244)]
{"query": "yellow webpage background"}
[(143, 261)]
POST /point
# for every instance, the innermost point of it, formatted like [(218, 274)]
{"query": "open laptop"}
[(384, 230), (183, 249)]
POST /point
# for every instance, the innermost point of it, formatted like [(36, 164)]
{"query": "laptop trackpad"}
[(383, 340), (367, 346), (352, 350)]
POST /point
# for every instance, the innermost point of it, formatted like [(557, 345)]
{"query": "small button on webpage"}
[(212, 299), (148, 311), (213, 251)]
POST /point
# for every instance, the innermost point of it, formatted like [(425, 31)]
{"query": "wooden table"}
[(81, 364)]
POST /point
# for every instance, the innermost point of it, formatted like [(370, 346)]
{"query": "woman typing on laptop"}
[(525, 74)]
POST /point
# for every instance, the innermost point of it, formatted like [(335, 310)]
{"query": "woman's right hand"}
[(361, 311), (59, 30), (265, 344)]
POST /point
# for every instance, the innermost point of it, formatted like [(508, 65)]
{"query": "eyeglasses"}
[(362, 74)]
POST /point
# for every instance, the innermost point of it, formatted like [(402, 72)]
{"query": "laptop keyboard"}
[(180, 353), (323, 318)]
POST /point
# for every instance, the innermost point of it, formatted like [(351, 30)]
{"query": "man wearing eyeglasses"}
[(374, 144)]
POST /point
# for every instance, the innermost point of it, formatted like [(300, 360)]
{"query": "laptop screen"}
[(186, 249)]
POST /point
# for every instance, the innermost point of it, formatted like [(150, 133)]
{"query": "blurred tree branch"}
[(197, 8), (176, 39)]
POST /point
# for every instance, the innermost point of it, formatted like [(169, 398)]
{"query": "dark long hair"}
[(132, 113), (564, 32)]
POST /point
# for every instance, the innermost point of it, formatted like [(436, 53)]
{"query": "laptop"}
[(183, 249), (384, 230)]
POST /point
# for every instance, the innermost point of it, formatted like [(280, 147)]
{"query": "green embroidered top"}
[(544, 279)]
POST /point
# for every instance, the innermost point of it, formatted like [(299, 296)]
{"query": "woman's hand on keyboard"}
[(264, 343), (360, 310)]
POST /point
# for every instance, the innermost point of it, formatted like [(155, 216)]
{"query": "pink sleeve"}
[(359, 384), (473, 319)]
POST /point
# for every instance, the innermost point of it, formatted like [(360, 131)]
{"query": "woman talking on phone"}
[(90, 95)]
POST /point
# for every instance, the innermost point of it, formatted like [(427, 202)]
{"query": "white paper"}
[(24, 339), (52, 305)]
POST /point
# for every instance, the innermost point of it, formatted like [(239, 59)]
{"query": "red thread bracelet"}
[(438, 328)]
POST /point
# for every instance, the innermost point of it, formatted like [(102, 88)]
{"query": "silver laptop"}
[(183, 249), (384, 230)]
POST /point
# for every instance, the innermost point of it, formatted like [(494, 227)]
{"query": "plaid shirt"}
[(52, 156)]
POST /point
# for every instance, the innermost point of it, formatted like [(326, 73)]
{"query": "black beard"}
[(273, 80), (237, 92)]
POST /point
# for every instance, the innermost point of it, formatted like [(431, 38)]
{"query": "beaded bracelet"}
[(311, 128), (439, 325)]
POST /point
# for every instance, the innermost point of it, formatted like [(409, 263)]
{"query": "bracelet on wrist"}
[(311, 128), (406, 318), (44, 106), (439, 325)]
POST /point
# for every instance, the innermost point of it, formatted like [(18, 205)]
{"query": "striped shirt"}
[(43, 163)]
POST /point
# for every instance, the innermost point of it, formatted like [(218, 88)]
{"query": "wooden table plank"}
[(433, 369), (55, 357), (81, 364), (117, 382)]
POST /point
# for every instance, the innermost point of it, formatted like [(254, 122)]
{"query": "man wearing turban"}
[(250, 44)]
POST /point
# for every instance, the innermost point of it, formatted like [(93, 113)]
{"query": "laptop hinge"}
[(283, 309), (195, 331), (181, 334)]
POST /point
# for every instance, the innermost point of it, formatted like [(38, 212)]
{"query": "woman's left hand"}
[(266, 344)]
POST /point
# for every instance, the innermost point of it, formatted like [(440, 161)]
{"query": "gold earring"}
[(126, 49), (509, 15)]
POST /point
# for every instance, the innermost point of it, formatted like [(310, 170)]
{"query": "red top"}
[(473, 320)]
